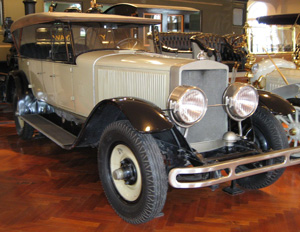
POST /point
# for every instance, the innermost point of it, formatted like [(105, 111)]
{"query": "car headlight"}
[(240, 100), (255, 68), (187, 105)]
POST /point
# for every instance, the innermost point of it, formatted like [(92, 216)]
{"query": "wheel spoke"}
[(281, 118), (290, 118), (297, 115)]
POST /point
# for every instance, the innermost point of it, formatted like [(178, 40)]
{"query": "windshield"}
[(264, 38), (98, 36)]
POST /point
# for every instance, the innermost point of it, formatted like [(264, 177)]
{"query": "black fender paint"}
[(144, 116), (274, 103)]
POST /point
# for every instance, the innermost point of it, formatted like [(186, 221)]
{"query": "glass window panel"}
[(237, 17), (62, 6), (175, 23)]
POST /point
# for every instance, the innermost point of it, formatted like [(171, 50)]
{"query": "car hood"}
[(132, 59)]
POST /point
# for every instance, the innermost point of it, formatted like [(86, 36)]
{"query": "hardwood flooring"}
[(44, 188)]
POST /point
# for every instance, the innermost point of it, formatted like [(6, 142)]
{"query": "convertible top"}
[(157, 8), (282, 19), (39, 18)]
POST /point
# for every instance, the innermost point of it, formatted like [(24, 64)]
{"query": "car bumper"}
[(231, 167)]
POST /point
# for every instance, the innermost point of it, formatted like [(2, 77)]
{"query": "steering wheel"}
[(129, 43)]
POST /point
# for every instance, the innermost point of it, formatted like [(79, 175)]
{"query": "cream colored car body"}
[(153, 118), (103, 75)]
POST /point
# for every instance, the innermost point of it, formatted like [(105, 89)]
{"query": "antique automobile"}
[(274, 58), (90, 80)]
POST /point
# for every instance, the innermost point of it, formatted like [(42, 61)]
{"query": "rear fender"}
[(20, 83), (274, 103)]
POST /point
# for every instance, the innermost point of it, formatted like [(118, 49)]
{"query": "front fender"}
[(144, 117), (287, 91), (274, 103)]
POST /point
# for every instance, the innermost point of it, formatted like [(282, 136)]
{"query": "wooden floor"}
[(44, 188)]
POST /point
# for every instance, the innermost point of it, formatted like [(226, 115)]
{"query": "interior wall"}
[(17, 10), (280, 6), (289, 6)]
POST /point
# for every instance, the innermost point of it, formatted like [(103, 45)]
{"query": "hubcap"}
[(126, 173), (291, 126)]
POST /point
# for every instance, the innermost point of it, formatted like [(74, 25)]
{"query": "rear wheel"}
[(268, 134), (24, 130), (132, 172)]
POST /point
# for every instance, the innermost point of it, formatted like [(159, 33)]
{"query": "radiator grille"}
[(151, 86), (214, 124)]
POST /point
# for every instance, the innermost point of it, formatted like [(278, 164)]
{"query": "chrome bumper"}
[(231, 167)]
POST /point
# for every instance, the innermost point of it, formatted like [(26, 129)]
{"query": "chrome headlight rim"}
[(230, 97), (174, 102)]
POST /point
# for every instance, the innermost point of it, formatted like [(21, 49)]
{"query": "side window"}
[(35, 42), (238, 17), (175, 23), (61, 44)]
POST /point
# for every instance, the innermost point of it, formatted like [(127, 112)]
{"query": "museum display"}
[(94, 80)]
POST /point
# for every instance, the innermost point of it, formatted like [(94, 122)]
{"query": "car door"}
[(63, 84), (60, 77), (36, 78), (48, 81)]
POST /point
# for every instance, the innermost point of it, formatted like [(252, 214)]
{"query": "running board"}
[(57, 134)]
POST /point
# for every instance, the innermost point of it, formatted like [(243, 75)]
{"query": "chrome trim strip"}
[(231, 166)]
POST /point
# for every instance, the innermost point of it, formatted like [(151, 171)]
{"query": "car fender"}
[(20, 82), (287, 91), (144, 116), (274, 103)]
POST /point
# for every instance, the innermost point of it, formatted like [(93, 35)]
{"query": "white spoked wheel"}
[(291, 125), (126, 172)]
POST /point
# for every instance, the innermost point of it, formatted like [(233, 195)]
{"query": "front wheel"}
[(268, 134), (291, 123), (132, 172)]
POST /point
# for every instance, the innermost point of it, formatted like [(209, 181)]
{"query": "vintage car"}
[(276, 62), (266, 69), (90, 80)]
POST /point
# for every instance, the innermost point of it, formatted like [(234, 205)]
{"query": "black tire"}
[(269, 134), (141, 196), (24, 130)]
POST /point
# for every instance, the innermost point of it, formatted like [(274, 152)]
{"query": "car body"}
[(91, 80), (274, 63)]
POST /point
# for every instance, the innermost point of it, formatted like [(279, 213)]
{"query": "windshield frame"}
[(110, 36)]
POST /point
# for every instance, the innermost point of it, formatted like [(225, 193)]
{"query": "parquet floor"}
[(46, 189)]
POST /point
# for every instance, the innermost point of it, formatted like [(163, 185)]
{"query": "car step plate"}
[(57, 134)]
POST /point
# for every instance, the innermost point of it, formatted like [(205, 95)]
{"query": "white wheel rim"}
[(291, 126), (128, 192)]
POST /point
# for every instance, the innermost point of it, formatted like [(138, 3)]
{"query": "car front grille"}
[(214, 124)]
